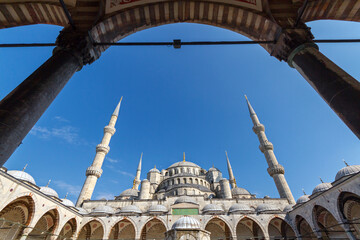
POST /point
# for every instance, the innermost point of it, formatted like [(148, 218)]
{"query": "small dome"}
[(23, 176), (321, 187), (185, 199), (154, 170), (213, 208), (288, 208), (130, 209), (157, 209), (184, 164), (130, 193), (103, 209), (49, 191), (240, 191), (82, 210), (302, 199), (67, 202), (346, 171), (186, 222), (212, 169), (240, 208), (266, 208)]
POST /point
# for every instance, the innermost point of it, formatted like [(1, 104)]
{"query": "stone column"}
[(339, 90), (22, 108)]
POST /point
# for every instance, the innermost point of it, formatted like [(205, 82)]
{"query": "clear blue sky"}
[(187, 100)]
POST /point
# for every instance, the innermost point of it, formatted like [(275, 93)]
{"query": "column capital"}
[(79, 44), (290, 39)]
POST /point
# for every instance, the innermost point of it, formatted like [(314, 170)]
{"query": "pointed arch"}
[(15, 216), (349, 209), (304, 229), (123, 229), (279, 229), (218, 229), (46, 225), (248, 228), (153, 229), (68, 230), (93, 229)]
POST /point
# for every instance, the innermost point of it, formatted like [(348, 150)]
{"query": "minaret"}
[(231, 174), (275, 170), (138, 173), (94, 171)]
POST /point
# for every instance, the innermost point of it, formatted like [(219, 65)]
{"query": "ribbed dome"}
[(302, 199), (288, 208), (23, 176), (321, 187), (240, 208), (103, 209), (154, 170), (67, 202), (49, 191), (157, 209), (240, 191), (130, 209), (346, 171), (130, 193), (185, 199), (82, 211), (186, 222), (213, 208), (184, 164), (266, 208)]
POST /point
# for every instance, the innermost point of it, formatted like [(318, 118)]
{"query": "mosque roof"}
[(346, 171), (157, 209), (266, 208), (154, 170), (213, 208), (321, 187), (184, 164), (186, 222), (130, 193), (240, 208), (23, 176), (302, 199), (49, 191), (185, 199), (67, 202), (130, 209), (240, 191), (103, 209), (288, 208), (82, 210)]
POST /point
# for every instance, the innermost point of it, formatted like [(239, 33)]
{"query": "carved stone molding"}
[(278, 169), (93, 171)]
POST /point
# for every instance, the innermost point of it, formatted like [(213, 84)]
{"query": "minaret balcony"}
[(102, 148), (94, 171), (277, 169), (258, 128), (266, 146), (109, 129)]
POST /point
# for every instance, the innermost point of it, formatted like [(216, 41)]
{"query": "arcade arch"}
[(153, 229), (218, 229), (123, 229), (304, 229), (68, 230), (15, 216), (280, 229), (328, 225), (349, 208), (248, 229), (92, 230), (45, 226)]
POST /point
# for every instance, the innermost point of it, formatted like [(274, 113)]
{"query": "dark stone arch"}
[(218, 229), (304, 229), (68, 230), (248, 228), (349, 209), (280, 229), (153, 229), (92, 230), (123, 229)]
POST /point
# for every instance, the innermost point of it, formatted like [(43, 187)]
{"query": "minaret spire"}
[(94, 171), (138, 173), (231, 174), (275, 170)]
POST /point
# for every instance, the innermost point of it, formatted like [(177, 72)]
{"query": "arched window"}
[(184, 180)]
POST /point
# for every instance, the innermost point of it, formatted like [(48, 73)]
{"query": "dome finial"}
[(345, 163), (66, 195), (184, 157), (304, 191), (24, 167), (321, 180), (48, 183), (155, 166)]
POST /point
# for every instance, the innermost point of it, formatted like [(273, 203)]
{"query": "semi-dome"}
[(82, 210), (240, 208), (130, 193), (346, 171), (213, 208), (240, 191), (302, 199), (184, 164), (186, 222), (67, 202), (185, 199), (49, 191), (23, 176), (288, 208), (130, 209), (321, 187), (266, 208), (157, 209), (103, 209)]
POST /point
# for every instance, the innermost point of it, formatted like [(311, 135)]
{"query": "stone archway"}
[(153, 229), (329, 227), (68, 230), (92, 230), (218, 229), (16, 216), (304, 229), (349, 208), (124, 229), (45, 226), (248, 229), (280, 229)]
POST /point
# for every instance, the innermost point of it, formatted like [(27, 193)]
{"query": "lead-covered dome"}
[(23, 176), (288, 208), (185, 199), (303, 199), (49, 192), (240, 208), (186, 222), (321, 187), (184, 164), (154, 170), (130, 193), (266, 208), (67, 202), (213, 208), (157, 209), (240, 191), (130, 209), (103, 209), (346, 171)]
